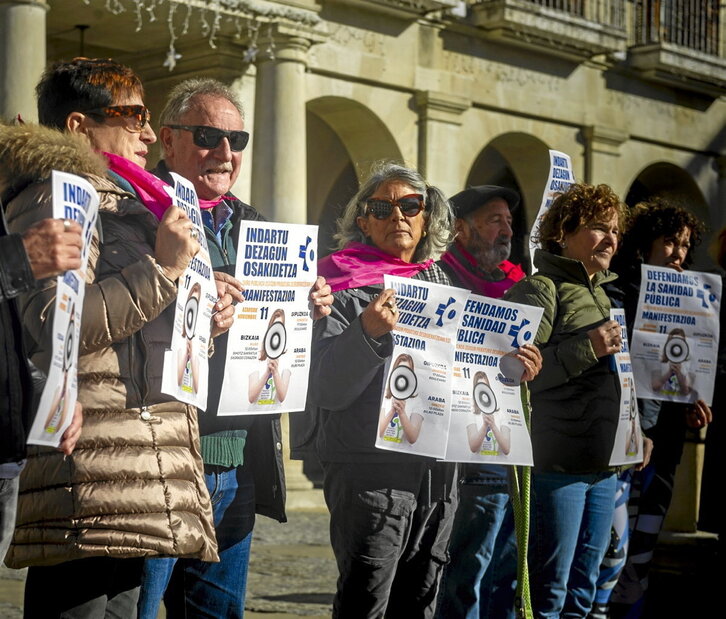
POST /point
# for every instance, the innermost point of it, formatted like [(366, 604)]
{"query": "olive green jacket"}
[(576, 396)]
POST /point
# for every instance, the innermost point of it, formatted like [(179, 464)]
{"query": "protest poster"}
[(416, 398), (487, 418), (186, 365), (559, 180), (74, 198), (628, 446), (675, 335), (268, 349)]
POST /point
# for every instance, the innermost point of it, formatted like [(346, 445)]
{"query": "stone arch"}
[(668, 180), (344, 138), (520, 161)]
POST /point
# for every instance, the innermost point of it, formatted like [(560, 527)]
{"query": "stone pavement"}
[(292, 573)]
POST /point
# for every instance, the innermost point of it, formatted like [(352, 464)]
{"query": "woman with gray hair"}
[(390, 513)]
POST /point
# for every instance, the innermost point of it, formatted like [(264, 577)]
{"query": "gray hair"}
[(438, 211), (182, 96)]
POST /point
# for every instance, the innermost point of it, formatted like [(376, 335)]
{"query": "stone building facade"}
[(468, 91)]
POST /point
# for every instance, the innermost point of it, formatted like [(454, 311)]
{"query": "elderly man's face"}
[(487, 233), (212, 170)]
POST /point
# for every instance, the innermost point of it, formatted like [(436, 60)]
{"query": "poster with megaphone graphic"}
[(186, 365), (73, 198), (628, 446), (675, 335), (416, 399), (268, 347), (487, 420)]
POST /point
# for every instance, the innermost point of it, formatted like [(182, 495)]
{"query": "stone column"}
[(438, 155), (279, 170), (602, 146), (720, 217), (22, 56)]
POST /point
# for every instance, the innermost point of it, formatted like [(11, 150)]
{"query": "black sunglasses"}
[(381, 208), (139, 113), (210, 137)]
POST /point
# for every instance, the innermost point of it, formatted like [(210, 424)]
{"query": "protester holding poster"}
[(575, 398), (390, 512), (134, 485), (662, 235), (203, 138), (481, 577)]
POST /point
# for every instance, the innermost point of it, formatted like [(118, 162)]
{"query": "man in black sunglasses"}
[(202, 134)]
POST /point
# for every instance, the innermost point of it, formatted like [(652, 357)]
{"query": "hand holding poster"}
[(268, 350), (628, 447), (675, 335), (558, 181), (487, 420), (186, 366), (414, 414), (73, 198)]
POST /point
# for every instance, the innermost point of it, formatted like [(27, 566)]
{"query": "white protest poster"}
[(559, 180), (416, 399), (487, 420), (628, 447), (73, 198), (186, 364), (675, 335), (268, 349)]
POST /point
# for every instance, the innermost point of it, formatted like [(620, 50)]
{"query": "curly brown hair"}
[(651, 220), (580, 205)]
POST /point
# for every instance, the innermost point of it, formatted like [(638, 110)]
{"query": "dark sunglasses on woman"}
[(139, 114), (210, 137), (381, 208)]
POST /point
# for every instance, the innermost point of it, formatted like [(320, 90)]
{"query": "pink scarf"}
[(149, 188), (474, 278), (359, 265)]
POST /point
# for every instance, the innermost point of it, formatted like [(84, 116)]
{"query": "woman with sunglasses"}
[(134, 486), (390, 513)]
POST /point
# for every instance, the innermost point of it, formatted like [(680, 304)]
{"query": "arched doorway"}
[(521, 162), (344, 138), (667, 180)]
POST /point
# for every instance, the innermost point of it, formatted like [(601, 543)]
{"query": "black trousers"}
[(390, 526), (93, 588)]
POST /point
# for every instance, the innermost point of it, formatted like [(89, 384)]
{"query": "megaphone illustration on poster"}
[(191, 311), (484, 398)]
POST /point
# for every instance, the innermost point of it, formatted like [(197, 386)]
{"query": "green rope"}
[(520, 504)]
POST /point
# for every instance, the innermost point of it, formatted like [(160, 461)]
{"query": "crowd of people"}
[(146, 501)]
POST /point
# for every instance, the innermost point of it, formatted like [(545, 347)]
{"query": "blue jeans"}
[(570, 534), (193, 588), (481, 578)]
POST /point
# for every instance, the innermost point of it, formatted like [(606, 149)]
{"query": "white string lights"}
[(212, 16)]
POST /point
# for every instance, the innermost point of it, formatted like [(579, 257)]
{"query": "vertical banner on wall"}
[(487, 420), (675, 335), (559, 180), (73, 198), (416, 399), (186, 364), (268, 349), (628, 447)]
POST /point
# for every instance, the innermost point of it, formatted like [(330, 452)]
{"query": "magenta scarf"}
[(149, 188), (474, 278), (359, 265)]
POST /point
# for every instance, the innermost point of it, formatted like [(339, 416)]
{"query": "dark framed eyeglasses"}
[(381, 208), (139, 113), (210, 137)]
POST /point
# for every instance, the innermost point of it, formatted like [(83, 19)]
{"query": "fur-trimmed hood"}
[(29, 153)]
